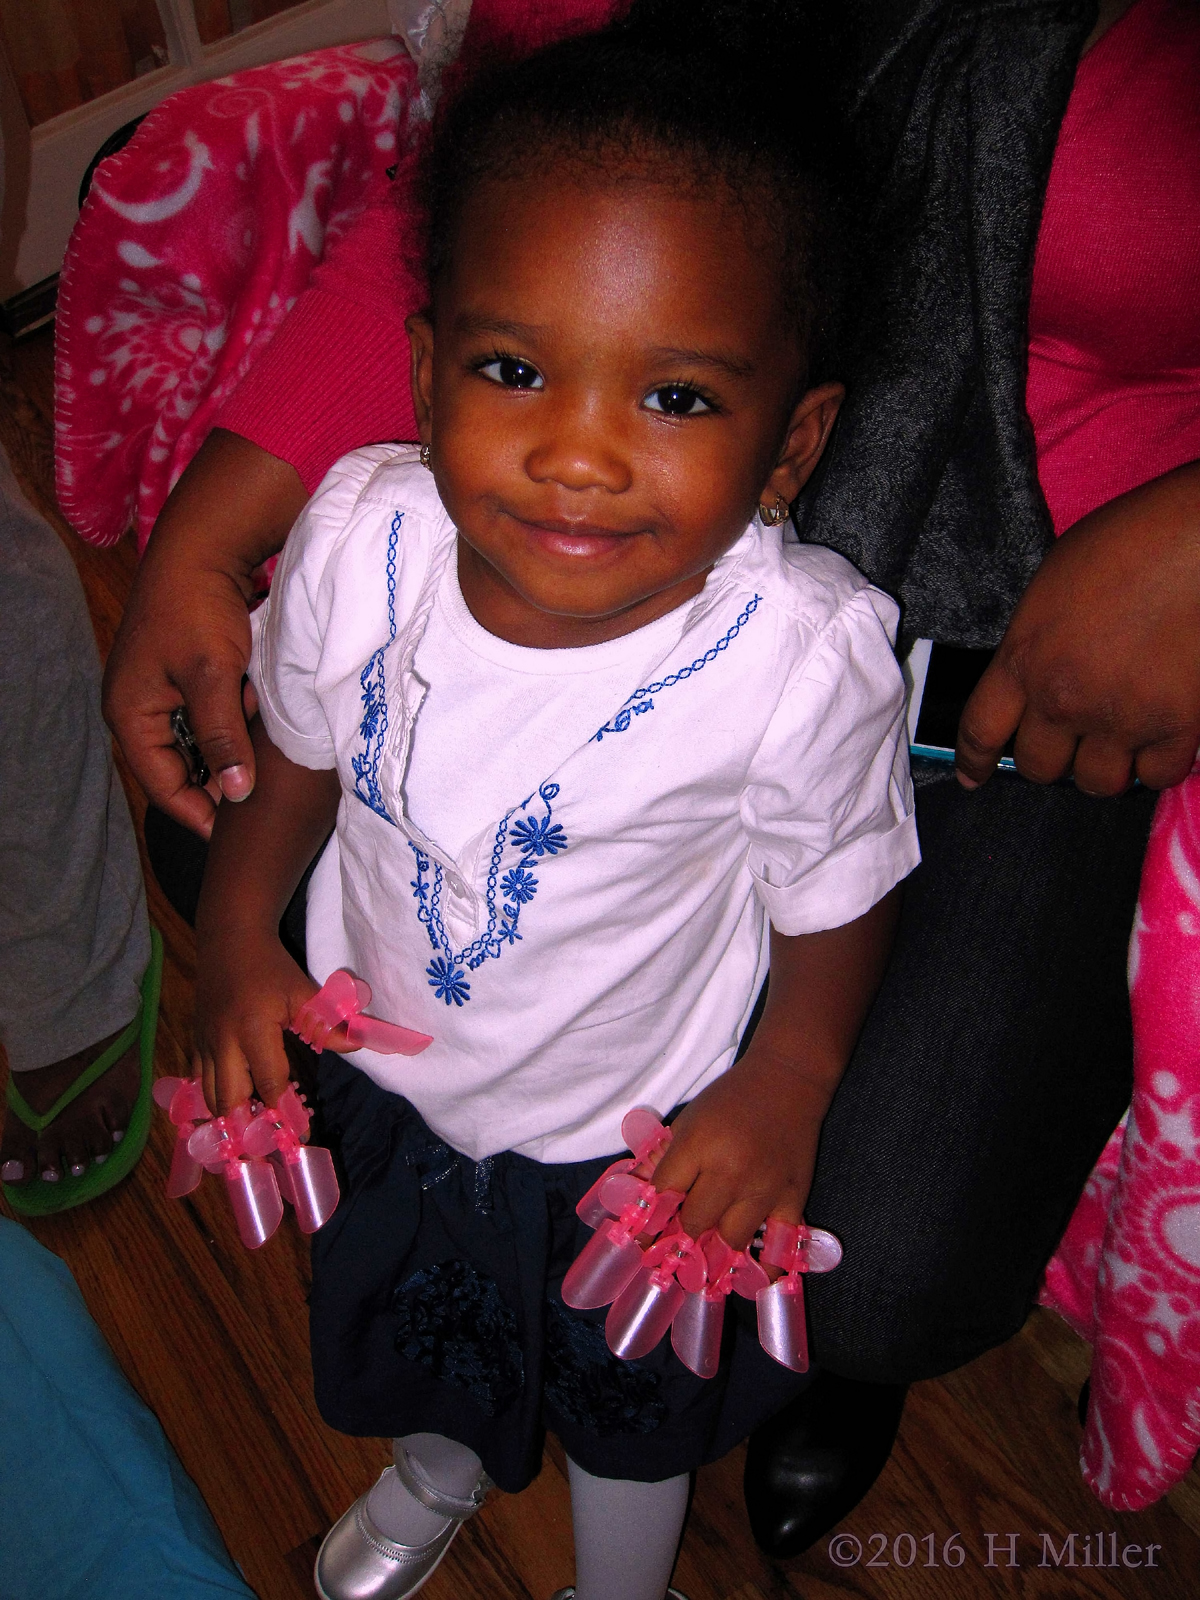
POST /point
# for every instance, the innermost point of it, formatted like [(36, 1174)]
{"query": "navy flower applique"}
[(452, 1319), (641, 700), (590, 1386), (532, 836)]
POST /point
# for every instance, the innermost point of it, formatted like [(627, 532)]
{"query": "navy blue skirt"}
[(436, 1307)]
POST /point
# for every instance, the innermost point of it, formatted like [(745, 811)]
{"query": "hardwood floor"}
[(215, 1339)]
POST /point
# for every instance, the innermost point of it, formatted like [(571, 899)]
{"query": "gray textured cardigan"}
[(930, 484)]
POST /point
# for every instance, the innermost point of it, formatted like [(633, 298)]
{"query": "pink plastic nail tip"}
[(781, 1327), (646, 1307), (343, 998), (254, 1195), (186, 1171), (250, 1183), (798, 1248), (643, 1131), (385, 1038), (591, 1210), (183, 1101), (305, 1174), (336, 999), (696, 1332), (642, 1313), (607, 1262), (165, 1090), (314, 1187)]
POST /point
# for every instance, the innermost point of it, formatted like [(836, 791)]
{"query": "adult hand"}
[(1099, 672), (185, 637)]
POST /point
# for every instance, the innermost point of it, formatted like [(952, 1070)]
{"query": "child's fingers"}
[(336, 1039), (268, 1062), (204, 1068), (742, 1220), (713, 1197), (226, 1075)]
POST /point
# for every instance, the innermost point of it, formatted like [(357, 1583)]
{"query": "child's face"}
[(612, 394)]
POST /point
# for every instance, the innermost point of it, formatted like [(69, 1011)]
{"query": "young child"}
[(597, 746)]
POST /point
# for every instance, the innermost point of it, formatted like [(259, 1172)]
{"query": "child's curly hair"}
[(678, 87)]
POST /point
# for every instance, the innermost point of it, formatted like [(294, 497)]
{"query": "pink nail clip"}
[(626, 1208), (344, 998), (644, 1133), (612, 1256), (250, 1184), (797, 1249), (696, 1330), (183, 1101), (305, 1172), (670, 1269)]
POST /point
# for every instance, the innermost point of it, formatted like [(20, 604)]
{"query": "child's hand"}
[(744, 1150), (248, 990)]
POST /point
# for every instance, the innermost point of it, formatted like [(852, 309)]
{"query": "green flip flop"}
[(37, 1198)]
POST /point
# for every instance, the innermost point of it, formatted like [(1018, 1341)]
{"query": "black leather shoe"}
[(810, 1465)]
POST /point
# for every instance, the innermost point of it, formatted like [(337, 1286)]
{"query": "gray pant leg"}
[(74, 938)]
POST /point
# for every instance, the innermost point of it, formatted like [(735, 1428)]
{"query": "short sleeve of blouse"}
[(828, 804), (289, 627)]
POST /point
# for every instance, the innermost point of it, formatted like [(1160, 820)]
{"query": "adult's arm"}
[(185, 635), (1099, 671), (334, 377)]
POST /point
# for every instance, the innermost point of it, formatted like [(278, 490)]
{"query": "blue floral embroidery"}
[(372, 730), (641, 701), (448, 981), (519, 885), (537, 836), (532, 836)]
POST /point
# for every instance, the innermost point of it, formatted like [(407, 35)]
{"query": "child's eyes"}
[(677, 400), (511, 372)]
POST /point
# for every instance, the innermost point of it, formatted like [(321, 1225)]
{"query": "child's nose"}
[(581, 447)]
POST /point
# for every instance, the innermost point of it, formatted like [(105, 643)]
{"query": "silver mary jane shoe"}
[(357, 1561)]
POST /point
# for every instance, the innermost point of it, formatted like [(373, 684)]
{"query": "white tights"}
[(609, 1563)]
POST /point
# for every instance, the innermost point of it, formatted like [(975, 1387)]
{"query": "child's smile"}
[(614, 391)]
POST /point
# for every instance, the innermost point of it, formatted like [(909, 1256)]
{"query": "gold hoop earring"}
[(425, 455), (772, 516)]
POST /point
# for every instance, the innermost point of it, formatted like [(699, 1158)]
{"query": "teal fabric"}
[(94, 1504)]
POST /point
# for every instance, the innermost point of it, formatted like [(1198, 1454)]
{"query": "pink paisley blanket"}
[(1127, 1273), (185, 261), (181, 269)]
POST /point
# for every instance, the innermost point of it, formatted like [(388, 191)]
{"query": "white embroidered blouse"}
[(596, 939)]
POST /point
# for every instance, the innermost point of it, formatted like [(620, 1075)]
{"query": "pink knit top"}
[(1114, 318)]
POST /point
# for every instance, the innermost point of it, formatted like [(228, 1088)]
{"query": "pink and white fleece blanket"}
[(1127, 1273), (183, 264), (178, 274)]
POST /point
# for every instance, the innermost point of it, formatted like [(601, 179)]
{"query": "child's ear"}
[(420, 339), (807, 433)]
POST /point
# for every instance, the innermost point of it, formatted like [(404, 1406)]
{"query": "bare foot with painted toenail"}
[(86, 1131)]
